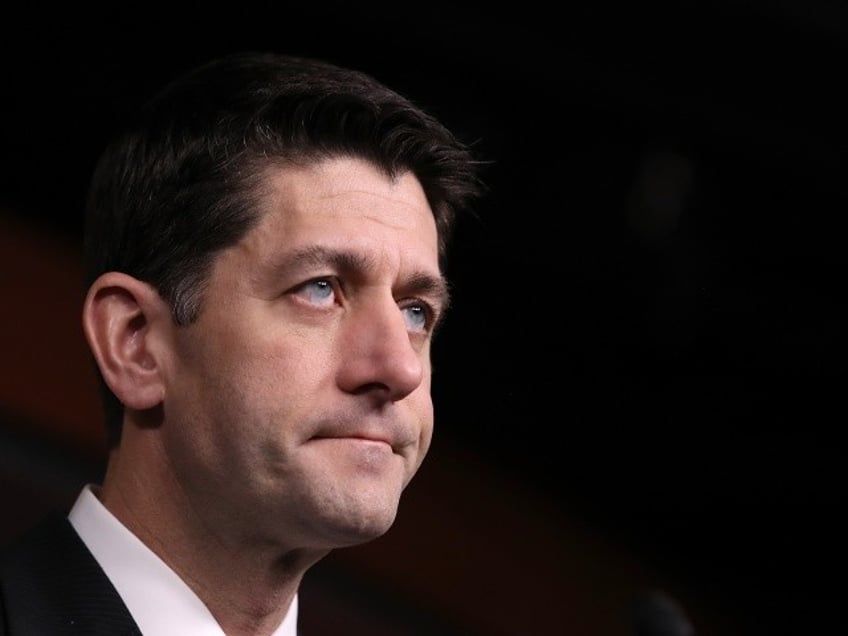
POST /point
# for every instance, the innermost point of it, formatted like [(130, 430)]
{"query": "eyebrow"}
[(420, 282)]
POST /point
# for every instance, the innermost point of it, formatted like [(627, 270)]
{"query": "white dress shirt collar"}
[(160, 602)]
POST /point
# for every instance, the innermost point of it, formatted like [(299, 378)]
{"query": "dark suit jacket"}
[(51, 585)]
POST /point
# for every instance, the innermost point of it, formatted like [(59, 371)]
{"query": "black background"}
[(648, 319)]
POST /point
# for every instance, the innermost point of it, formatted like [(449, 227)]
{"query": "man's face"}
[(297, 406)]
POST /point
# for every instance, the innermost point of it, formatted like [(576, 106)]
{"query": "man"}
[(265, 253)]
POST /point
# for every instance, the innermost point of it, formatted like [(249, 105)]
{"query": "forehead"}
[(344, 192), (343, 203), (335, 184)]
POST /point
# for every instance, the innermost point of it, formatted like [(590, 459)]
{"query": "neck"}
[(247, 584)]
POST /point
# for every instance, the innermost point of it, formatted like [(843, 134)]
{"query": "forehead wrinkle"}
[(399, 214), (399, 207)]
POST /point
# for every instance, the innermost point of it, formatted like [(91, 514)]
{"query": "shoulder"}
[(23, 563), (50, 583), (26, 564), (52, 536), (38, 540)]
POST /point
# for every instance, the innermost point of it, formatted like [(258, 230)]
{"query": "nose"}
[(377, 354)]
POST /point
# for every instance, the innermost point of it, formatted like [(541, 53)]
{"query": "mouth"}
[(371, 440), (392, 435)]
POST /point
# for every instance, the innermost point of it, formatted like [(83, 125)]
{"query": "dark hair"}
[(184, 179)]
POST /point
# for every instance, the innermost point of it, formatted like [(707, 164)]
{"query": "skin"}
[(287, 420)]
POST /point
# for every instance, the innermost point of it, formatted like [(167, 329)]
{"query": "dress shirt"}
[(160, 602)]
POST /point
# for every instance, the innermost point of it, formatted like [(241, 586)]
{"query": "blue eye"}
[(318, 291), (417, 317)]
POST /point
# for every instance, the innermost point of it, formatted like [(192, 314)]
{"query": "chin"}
[(365, 533), (363, 526)]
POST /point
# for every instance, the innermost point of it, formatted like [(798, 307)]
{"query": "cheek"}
[(425, 419), (425, 395), (426, 438)]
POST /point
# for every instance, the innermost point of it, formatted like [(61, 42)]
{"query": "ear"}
[(120, 317)]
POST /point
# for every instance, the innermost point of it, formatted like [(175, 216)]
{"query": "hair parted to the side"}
[(184, 180)]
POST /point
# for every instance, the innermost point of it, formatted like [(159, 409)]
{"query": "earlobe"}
[(120, 315)]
